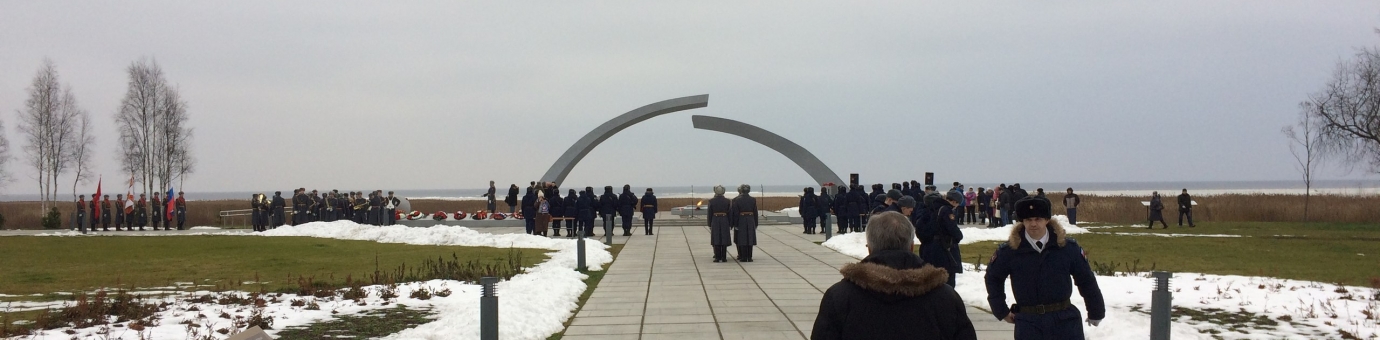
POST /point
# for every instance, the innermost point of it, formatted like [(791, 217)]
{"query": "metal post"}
[(488, 309), (1160, 307), (828, 232), (608, 229), (580, 254)]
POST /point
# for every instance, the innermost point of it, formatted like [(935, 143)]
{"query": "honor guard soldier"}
[(256, 217), (744, 213), (105, 213), (80, 218), (120, 212), (180, 210), (155, 217), (375, 208), (277, 206), (1040, 259), (720, 224), (95, 212), (299, 206), (141, 212)]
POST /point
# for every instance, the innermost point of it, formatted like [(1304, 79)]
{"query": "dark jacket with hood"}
[(557, 205), (857, 202), (627, 202), (808, 206), (511, 199), (1042, 278), (841, 201), (823, 204), (608, 202), (892, 294), (527, 210), (585, 205), (939, 239)]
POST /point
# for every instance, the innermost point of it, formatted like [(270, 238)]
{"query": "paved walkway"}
[(667, 286)]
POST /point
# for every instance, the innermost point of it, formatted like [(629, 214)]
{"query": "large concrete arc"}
[(806, 160), (577, 151)]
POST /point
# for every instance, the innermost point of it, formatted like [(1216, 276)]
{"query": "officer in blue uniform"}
[(1039, 259)]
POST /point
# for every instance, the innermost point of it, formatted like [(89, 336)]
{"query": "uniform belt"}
[(648, 206), (1045, 309), (720, 214), (746, 213)]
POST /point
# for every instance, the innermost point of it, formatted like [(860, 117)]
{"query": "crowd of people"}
[(373, 209), (544, 210), (125, 215)]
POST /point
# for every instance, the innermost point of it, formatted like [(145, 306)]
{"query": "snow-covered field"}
[(1299, 309), (532, 305)]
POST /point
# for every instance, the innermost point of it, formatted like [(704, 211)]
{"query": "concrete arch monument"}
[(806, 160), (577, 151)]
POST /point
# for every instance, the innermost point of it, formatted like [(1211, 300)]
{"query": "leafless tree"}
[(49, 125), (1347, 111), (84, 141), (1308, 149), (154, 140), (5, 174)]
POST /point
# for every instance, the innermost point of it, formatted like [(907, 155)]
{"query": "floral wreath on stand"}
[(460, 215), (480, 215), (414, 215), (439, 216), (499, 216)]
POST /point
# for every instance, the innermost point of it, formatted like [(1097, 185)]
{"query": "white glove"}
[(1094, 323)]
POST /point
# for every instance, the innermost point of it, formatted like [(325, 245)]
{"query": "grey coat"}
[(744, 214), (720, 223), (1156, 209)]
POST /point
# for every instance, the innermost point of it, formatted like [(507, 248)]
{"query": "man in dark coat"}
[(96, 211), (119, 212), (892, 294), (390, 208), (649, 209), (587, 206), (841, 208), (720, 224), (180, 210), (608, 208), (529, 213), (1040, 259), (511, 199), (824, 204), (939, 239), (1185, 208), (859, 202), (490, 197), (984, 202), (627, 203), (256, 212), (1004, 202), (809, 210), (278, 206), (744, 214), (572, 213), (156, 216), (375, 208), (557, 209)]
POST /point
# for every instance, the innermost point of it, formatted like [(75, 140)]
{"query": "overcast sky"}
[(414, 95)]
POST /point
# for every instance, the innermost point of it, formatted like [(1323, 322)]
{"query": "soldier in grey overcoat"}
[(720, 224), (744, 214)]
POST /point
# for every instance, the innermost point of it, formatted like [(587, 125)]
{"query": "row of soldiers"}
[(374, 209), (102, 214), (579, 209)]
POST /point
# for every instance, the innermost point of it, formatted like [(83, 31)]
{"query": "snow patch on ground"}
[(205, 228), (1316, 310), (532, 305)]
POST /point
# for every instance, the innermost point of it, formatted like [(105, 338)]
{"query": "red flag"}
[(97, 210), (129, 196)]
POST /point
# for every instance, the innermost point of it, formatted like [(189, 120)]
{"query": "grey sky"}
[(450, 95)]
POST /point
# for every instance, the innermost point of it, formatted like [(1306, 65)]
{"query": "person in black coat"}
[(939, 239), (587, 207), (511, 199), (857, 205), (572, 212), (809, 209), (627, 203), (649, 209), (1185, 208), (877, 190), (824, 204), (743, 211), (141, 212), (841, 197), (892, 293), (529, 213), (1039, 258), (720, 224), (608, 208)]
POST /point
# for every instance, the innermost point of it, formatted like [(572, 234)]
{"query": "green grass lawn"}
[(33, 265), (1327, 252)]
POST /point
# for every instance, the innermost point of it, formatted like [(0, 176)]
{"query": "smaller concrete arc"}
[(803, 158), (577, 151)]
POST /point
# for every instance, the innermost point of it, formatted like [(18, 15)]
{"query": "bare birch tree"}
[(83, 142), (1308, 149), (48, 123), (154, 140), (1348, 110), (5, 175)]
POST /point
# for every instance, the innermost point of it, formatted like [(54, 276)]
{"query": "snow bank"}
[(532, 305), (1316, 309)]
